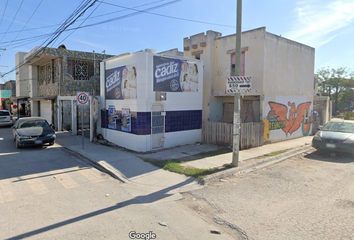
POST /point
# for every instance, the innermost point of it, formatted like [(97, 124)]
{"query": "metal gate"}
[(66, 115), (86, 120), (157, 126)]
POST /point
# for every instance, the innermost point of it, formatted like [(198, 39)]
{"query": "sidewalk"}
[(129, 166), (159, 190)]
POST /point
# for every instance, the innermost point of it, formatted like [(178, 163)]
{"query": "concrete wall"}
[(145, 101), (282, 74), (22, 76), (288, 88), (216, 52), (203, 45)]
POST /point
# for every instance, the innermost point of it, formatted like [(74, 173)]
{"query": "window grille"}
[(80, 69), (45, 73)]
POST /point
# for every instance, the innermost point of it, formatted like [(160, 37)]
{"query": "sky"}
[(118, 27)]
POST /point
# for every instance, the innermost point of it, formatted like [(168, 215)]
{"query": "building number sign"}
[(82, 98)]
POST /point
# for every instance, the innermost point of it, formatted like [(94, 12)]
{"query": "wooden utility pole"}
[(237, 126)]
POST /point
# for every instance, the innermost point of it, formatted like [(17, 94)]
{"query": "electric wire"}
[(97, 16), (25, 24), (4, 12), (12, 20), (78, 12), (60, 30), (57, 33), (80, 24), (166, 16)]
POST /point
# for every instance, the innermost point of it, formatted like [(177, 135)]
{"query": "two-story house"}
[(280, 96), (51, 78)]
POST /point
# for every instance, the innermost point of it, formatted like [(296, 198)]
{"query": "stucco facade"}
[(51, 77), (282, 85)]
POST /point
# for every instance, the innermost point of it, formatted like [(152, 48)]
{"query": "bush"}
[(349, 115)]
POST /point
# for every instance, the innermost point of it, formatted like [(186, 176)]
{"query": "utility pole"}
[(236, 127)]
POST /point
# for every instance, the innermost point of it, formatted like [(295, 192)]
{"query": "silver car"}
[(5, 118)]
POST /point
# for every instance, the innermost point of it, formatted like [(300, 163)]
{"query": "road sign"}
[(82, 98), (238, 84)]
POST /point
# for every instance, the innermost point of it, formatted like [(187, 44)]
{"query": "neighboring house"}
[(50, 79), (8, 95), (282, 81)]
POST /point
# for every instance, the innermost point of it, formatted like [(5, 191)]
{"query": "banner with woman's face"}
[(120, 83)]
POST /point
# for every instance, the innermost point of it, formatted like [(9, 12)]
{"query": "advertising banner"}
[(174, 75), (121, 82), (111, 118)]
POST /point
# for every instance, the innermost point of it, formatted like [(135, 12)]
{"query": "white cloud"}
[(97, 46), (319, 22)]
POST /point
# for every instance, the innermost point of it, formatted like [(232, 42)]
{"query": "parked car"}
[(31, 131), (5, 118), (336, 136), (348, 109)]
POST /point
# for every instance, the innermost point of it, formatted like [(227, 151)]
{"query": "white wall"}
[(22, 76), (178, 101), (288, 82), (46, 110)]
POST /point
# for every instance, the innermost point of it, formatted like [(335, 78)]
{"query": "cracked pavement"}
[(309, 196)]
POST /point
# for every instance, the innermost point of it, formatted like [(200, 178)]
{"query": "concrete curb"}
[(261, 163), (97, 165)]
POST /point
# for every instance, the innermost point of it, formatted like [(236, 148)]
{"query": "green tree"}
[(338, 84)]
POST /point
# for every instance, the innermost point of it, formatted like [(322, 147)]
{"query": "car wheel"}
[(17, 144), (51, 143)]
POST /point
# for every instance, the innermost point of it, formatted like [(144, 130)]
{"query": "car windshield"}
[(33, 123), (339, 127)]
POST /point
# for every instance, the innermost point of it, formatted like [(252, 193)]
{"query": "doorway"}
[(157, 126)]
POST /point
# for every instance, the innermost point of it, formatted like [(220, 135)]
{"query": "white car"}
[(5, 118)]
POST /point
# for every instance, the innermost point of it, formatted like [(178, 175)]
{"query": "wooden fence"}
[(221, 134)]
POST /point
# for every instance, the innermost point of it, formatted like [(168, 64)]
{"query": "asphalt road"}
[(310, 196), (47, 193)]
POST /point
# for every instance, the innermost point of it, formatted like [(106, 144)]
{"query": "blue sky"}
[(326, 25)]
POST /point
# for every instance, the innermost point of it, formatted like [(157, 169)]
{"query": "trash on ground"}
[(162, 223), (215, 232), (107, 194)]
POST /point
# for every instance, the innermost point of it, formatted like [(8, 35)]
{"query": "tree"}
[(338, 84)]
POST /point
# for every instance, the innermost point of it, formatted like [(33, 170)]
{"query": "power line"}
[(4, 12), (61, 29), (73, 29), (166, 16), (80, 23), (12, 20), (78, 12), (26, 23), (132, 8), (97, 16)]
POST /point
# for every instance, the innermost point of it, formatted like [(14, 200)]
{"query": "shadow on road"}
[(150, 198), (330, 157)]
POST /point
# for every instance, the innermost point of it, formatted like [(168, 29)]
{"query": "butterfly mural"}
[(290, 117)]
